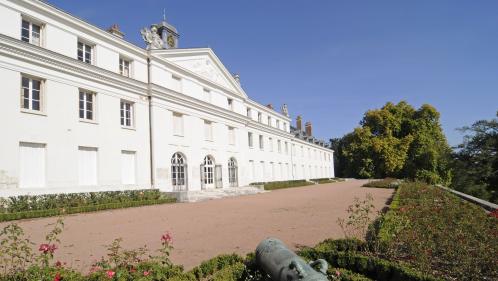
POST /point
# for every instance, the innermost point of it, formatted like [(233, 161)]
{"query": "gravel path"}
[(298, 216)]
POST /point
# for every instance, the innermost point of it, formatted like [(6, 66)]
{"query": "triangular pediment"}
[(204, 63)]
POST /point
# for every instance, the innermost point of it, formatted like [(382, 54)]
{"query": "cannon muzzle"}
[(282, 264)]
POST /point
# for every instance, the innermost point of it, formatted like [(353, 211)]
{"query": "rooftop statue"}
[(152, 38)]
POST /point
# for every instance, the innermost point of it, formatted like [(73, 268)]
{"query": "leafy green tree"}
[(396, 141), (476, 161)]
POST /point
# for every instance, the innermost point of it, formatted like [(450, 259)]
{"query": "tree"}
[(476, 161), (396, 141)]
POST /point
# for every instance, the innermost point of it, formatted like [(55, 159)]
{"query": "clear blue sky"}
[(332, 60)]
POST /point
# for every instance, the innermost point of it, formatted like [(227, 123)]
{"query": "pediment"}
[(204, 63)]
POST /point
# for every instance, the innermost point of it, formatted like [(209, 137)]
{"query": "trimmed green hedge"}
[(326, 180), (384, 183), (283, 184), (29, 206)]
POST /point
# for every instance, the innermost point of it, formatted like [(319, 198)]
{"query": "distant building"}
[(85, 110)]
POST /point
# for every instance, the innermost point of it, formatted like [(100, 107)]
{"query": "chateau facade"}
[(84, 110)]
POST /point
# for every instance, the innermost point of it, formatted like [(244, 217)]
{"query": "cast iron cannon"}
[(281, 264)]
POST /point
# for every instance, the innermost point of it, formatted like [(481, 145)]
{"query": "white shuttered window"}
[(32, 165), (87, 165), (128, 169)]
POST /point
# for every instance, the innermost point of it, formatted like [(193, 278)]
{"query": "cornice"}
[(40, 56), (267, 110)]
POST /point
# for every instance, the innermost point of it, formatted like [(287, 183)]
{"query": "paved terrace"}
[(298, 216)]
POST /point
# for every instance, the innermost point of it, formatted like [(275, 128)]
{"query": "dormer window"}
[(124, 67), (85, 52), (31, 32)]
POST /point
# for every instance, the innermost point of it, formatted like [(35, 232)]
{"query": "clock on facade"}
[(171, 41)]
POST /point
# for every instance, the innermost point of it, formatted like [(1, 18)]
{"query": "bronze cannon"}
[(281, 264)]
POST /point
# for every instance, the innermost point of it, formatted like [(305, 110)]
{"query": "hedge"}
[(283, 184), (326, 180), (384, 183), (36, 206)]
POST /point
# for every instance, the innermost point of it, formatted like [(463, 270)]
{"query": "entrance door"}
[(232, 173), (207, 169), (218, 175)]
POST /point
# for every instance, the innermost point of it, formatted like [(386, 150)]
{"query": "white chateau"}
[(84, 110)]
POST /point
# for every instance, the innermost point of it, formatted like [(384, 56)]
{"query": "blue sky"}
[(330, 61)]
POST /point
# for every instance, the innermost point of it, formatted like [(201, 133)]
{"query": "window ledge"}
[(178, 135), (128, 128), (89, 121), (35, 112)]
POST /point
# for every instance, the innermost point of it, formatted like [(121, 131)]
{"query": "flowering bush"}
[(438, 233)]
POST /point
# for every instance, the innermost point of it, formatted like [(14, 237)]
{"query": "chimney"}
[(270, 106), (114, 30), (299, 123), (236, 77), (309, 129)]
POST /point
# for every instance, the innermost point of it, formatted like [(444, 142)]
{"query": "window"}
[(302, 151), (231, 135), (31, 94), (260, 117), (309, 153), (249, 113), (177, 124), (285, 127), (230, 104), (269, 121), (86, 105), (286, 148), (279, 146), (126, 113), (261, 142), (176, 83), (207, 95), (32, 165), (270, 143), (128, 170), (31, 33), (278, 124), (124, 67), (87, 165), (208, 130), (249, 139), (85, 52), (179, 172)]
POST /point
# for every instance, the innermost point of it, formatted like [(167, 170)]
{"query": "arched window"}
[(232, 172), (178, 172), (207, 169)]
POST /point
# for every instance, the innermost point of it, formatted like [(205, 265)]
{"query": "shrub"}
[(360, 215), (286, 184), (438, 233), (209, 267), (27, 206), (384, 183)]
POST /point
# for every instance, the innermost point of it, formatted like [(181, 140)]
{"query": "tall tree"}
[(476, 161), (396, 141)]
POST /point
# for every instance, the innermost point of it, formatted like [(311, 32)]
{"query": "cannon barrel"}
[(281, 264)]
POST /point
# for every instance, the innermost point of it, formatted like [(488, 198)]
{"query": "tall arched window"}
[(232, 172), (179, 172), (207, 169)]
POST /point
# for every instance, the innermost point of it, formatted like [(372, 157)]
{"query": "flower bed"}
[(283, 184), (23, 207), (436, 232)]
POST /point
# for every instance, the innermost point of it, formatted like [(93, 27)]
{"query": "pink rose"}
[(110, 274), (146, 273)]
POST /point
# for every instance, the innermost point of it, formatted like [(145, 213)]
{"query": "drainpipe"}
[(151, 140)]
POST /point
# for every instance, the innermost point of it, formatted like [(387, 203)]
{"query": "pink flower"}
[(146, 273), (58, 264), (337, 273), (58, 277), (110, 274), (47, 248), (166, 238)]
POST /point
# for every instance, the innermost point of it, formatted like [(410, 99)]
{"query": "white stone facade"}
[(84, 110)]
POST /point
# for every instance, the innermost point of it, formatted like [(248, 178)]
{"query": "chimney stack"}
[(299, 123), (309, 129), (270, 106), (114, 30)]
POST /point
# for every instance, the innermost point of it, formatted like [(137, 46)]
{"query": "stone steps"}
[(210, 194)]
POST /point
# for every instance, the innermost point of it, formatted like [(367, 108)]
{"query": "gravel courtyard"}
[(202, 230)]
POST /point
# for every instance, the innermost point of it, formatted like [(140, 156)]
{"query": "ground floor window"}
[(232, 172), (179, 172), (207, 171), (32, 165)]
